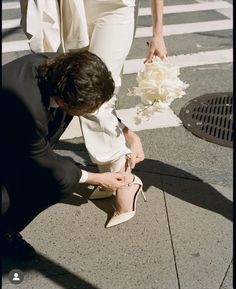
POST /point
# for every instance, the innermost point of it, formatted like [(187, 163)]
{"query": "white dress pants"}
[(110, 28)]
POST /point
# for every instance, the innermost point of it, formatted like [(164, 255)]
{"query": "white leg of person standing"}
[(111, 28)]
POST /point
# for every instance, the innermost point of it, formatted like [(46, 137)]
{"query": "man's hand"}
[(135, 145), (108, 181)]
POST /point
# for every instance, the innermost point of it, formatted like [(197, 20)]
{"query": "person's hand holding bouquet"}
[(158, 85), (156, 47)]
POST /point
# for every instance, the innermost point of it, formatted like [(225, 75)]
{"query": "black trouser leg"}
[(23, 208)]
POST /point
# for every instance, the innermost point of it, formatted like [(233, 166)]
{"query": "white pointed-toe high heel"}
[(119, 218), (99, 193)]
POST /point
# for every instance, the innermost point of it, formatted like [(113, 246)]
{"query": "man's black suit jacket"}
[(28, 132)]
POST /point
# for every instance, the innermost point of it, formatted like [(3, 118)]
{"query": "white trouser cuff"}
[(84, 177)]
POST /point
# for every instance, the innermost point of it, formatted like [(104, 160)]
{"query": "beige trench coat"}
[(47, 27), (41, 21)]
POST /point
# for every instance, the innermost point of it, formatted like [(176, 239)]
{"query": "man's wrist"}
[(93, 178)]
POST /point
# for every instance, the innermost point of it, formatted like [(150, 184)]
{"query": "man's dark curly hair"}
[(80, 79)]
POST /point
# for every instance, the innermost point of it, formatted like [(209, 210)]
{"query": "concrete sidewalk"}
[(180, 238)]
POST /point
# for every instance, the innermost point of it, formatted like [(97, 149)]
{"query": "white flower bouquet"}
[(158, 86)]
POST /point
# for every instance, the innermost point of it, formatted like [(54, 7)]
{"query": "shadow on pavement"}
[(187, 187), (171, 180), (191, 190), (175, 182), (42, 265)]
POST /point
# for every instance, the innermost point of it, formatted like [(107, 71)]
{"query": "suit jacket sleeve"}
[(27, 158), (61, 174)]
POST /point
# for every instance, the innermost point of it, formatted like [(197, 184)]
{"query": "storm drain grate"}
[(210, 117)]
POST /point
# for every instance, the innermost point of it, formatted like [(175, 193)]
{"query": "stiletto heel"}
[(123, 217), (99, 193), (144, 197)]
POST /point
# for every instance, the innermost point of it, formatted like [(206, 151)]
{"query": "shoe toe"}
[(120, 218)]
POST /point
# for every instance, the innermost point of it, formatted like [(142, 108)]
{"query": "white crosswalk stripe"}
[(12, 46), (188, 8), (178, 29), (169, 30), (166, 117), (8, 24), (10, 5), (147, 11), (186, 60)]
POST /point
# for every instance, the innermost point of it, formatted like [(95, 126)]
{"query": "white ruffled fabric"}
[(158, 86)]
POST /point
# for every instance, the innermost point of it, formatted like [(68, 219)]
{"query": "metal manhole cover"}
[(210, 117)]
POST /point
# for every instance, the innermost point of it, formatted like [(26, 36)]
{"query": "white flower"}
[(158, 85)]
